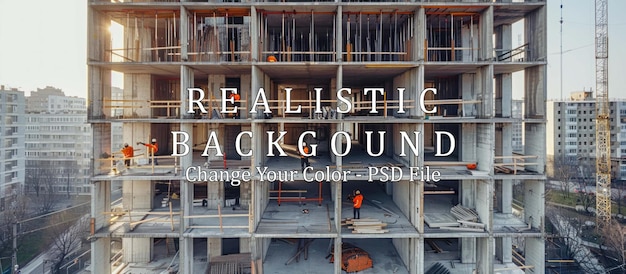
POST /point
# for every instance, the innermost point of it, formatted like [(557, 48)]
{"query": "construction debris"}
[(435, 247), (303, 248), (353, 258), (438, 268), (464, 213), (367, 225), (230, 264), (460, 218)]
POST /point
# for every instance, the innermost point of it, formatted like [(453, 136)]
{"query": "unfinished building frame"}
[(172, 215)]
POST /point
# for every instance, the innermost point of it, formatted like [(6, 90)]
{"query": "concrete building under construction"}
[(186, 214)]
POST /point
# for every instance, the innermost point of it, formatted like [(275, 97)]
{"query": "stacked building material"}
[(368, 225)]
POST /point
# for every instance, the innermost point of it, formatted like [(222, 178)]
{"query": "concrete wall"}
[(137, 250), (138, 90)]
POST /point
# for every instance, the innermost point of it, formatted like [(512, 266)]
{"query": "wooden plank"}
[(462, 229), (369, 231)]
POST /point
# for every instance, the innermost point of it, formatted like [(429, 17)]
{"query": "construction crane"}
[(603, 130)]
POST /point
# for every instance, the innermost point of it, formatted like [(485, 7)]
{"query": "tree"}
[(571, 230), (67, 232), (564, 172), (48, 199), (42, 180), (15, 212)]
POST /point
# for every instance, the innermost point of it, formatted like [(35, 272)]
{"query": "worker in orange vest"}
[(128, 152), (357, 201), (304, 160), (152, 150), (236, 97)]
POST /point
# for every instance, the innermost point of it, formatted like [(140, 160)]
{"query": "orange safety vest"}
[(153, 148), (306, 151), (235, 96), (357, 201), (128, 152)]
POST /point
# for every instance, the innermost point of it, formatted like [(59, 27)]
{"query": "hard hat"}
[(303, 143), (358, 191), (271, 58), (125, 144), (234, 92), (153, 140)]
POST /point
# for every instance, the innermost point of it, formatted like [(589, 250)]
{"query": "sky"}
[(43, 43)]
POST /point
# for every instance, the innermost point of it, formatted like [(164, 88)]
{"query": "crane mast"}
[(603, 130)]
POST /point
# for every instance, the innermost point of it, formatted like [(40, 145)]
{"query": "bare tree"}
[(35, 178), (41, 180), (67, 233), (565, 169), (48, 199), (570, 231), (618, 196), (613, 239), (15, 211)]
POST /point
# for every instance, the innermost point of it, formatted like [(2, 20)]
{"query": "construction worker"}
[(236, 97), (129, 153), (304, 160), (152, 150), (357, 201)]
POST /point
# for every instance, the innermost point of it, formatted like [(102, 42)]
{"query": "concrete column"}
[(186, 81), (186, 255), (101, 248), (245, 93), (186, 195), (504, 95), (535, 77), (468, 188), (184, 34), (100, 255), (419, 258), (101, 202), (534, 254), (100, 90), (419, 34), (244, 245), (504, 252), (484, 201), (254, 37), (484, 260), (215, 194), (535, 30), (138, 87), (137, 195), (531, 147), (245, 198), (534, 207), (99, 34), (468, 92), (504, 86), (337, 254), (256, 82), (486, 35), (468, 245), (214, 247), (137, 250), (339, 35), (337, 160), (485, 91)]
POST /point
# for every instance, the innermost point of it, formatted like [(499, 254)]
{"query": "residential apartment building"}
[(188, 214), (12, 163), (58, 143), (571, 134)]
